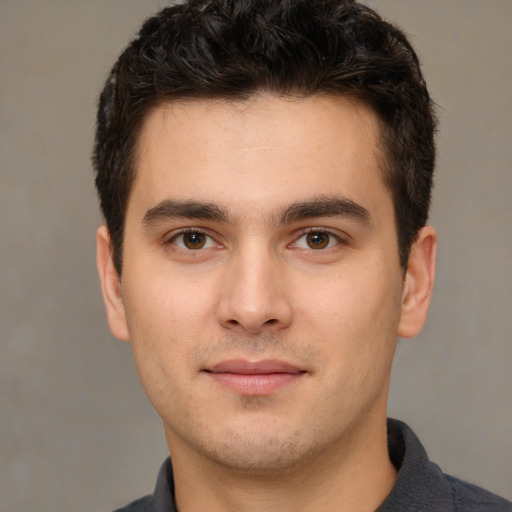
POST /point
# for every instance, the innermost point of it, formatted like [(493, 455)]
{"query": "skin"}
[(290, 254)]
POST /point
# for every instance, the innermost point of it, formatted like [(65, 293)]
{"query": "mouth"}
[(254, 378)]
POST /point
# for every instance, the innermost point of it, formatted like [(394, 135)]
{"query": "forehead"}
[(259, 151)]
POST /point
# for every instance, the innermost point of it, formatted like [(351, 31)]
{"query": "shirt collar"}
[(417, 476)]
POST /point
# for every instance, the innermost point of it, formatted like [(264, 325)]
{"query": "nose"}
[(254, 297)]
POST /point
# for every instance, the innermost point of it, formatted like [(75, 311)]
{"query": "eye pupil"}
[(194, 240), (317, 240)]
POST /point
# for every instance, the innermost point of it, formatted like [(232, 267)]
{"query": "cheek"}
[(355, 317), (166, 322), (164, 305)]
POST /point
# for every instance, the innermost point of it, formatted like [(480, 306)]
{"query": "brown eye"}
[(317, 240), (194, 240)]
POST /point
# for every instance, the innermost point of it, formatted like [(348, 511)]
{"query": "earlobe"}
[(419, 283), (110, 285)]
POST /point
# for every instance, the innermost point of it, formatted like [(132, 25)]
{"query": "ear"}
[(419, 283), (110, 285)]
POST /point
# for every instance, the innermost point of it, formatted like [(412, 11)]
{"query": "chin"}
[(259, 452)]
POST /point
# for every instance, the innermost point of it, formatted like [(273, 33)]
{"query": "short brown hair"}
[(233, 48)]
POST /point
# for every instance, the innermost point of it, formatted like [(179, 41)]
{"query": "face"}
[(261, 287)]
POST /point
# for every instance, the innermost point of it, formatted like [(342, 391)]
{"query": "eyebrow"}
[(171, 209), (325, 206)]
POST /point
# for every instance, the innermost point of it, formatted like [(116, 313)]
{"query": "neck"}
[(354, 475)]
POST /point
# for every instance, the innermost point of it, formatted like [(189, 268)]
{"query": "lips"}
[(254, 378), (239, 366)]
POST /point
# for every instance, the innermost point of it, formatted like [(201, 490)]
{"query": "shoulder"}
[(143, 504), (422, 485), (468, 498), (162, 499)]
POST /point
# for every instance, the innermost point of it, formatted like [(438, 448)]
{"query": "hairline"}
[(383, 156)]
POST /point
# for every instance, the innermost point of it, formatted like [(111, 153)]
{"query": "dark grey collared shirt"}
[(420, 487)]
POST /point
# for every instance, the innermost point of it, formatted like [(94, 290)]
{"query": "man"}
[(265, 170)]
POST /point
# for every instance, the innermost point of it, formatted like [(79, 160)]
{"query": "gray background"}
[(76, 431)]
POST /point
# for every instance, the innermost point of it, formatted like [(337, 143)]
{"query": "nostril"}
[(272, 321)]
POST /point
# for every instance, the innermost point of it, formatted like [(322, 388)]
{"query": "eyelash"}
[(210, 241), (172, 240), (332, 237)]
